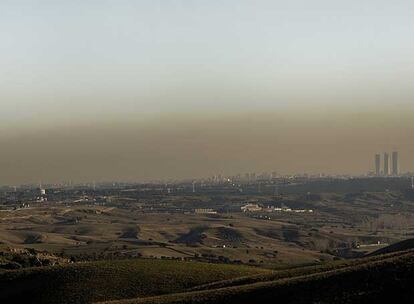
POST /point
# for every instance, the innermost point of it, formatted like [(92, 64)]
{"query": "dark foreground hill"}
[(400, 246), (377, 280), (111, 280)]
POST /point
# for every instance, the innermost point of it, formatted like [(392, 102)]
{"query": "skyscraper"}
[(377, 164), (387, 168), (395, 164)]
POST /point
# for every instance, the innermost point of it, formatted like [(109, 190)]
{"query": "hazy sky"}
[(134, 90)]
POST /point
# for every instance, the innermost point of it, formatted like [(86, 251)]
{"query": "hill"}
[(399, 246), (376, 280), (364, 280), (111, 280)]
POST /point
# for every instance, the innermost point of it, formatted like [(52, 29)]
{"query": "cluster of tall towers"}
[(391, 165)]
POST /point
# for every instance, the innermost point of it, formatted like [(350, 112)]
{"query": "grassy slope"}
[(111, 280), (295, 272), (374, 281), (403, 245)]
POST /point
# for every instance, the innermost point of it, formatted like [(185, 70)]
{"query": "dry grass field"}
[(340, 226)]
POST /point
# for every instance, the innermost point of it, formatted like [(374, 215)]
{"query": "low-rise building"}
[(204, 211), (251, 208)]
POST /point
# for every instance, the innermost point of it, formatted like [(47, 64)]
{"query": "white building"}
[(204, 211), (251, 208)]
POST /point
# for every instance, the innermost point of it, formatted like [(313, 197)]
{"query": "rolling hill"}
[(399, 246), (374, 280), (110, 280), (364, 280)]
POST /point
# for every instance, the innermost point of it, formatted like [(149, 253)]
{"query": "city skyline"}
[(380, 169)]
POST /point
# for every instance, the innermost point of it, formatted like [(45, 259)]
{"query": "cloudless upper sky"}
[(63, 62)]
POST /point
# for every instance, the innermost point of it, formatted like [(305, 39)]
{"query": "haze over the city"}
[(140, 90)]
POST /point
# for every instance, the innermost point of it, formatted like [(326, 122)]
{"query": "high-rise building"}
[(252, 177), (387, 167), (247, 177), (377, 165), (395, 164)]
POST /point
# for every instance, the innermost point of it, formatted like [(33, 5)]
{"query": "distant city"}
[(385, 165)]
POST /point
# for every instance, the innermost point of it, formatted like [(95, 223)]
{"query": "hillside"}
[(110, 280), (399, 246), (167, 281), (376, 280)]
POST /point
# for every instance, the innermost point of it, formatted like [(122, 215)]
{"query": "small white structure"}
[(204, 211), (286, 209), (41, 199), (251, 208)]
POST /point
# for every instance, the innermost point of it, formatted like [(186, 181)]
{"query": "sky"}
[(143, 90)]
